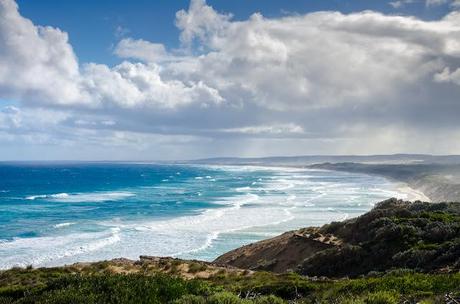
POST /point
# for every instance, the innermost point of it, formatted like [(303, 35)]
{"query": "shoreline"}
[(413, 194), (402, 188)]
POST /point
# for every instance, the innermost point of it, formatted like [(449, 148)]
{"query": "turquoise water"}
[(60, 213)]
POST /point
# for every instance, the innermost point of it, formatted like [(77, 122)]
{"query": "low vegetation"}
[(145, 283), (421, 236)]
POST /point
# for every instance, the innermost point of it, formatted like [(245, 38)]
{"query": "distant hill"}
[(314, 159)]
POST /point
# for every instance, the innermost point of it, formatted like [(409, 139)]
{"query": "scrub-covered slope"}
[(394, 234)]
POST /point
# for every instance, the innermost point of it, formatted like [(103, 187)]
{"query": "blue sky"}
[(143, 80), (95, 27)]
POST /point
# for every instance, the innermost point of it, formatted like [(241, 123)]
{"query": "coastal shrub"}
[(113, 288), (191, 299), (268, 300), (414, 258), (6, 300), (228, 298), (382, 297), (224, 298), (332, 227), (152, 288), (196, 267), (351, 300), (439, 232), (394, 234)]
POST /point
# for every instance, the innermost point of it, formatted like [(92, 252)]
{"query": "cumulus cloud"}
[(323, 79), (321, 59), (200, 21), (453, 3), (135, 85), (36, 62), (400, 3), (141, 49), (38, 65)]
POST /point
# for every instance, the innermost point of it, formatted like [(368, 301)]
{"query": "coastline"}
[(280, 200), (413, 194), (265, 263), (437, 182)]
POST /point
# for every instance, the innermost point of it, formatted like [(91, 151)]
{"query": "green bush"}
[(110, 288), (191, 299), (381, 297), (196, 267), (268, 300), (224, 298)]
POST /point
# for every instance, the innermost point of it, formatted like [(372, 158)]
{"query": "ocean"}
[(60, 213)]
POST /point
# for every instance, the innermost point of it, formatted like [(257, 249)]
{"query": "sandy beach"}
[(413, 194)]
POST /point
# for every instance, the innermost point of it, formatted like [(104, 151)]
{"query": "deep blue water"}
[(57, 213)]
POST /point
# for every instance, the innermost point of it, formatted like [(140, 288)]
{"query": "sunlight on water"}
[(54, 215)]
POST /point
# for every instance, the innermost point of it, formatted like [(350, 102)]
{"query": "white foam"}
[(45, 251), (62, 225), (59, 195), (192, 234), (243, 189), (95, 197), (33, 197)]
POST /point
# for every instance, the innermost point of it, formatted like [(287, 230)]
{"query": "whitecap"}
[(62, 225), (243, 189), (44, 251), (95, 197)]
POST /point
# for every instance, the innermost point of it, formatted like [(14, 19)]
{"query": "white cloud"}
[(455, 4), (317, 60), (136, 85), (38, 65), (321, 59), (141, 49), (400, 3), (314, 77), (35, 62), (200, 21), (277, 129), (447, 76), (436, 2)]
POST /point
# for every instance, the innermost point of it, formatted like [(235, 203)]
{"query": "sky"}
[(172, 80)]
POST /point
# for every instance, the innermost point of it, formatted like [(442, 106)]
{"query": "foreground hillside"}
[(394, 234), (400, 252), (166, 280)]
